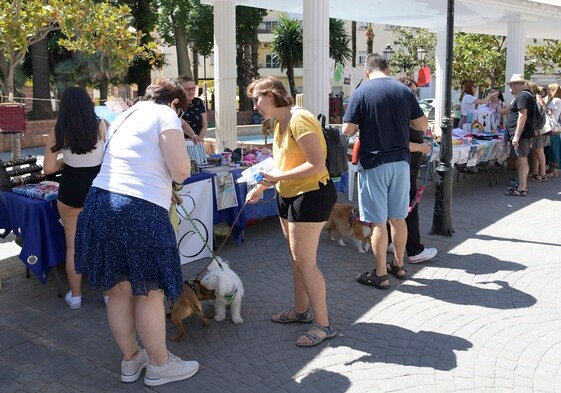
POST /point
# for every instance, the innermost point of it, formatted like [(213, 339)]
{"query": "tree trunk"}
[(290, 75), (103, 88), (369, 38), (144, 78), (353, 43), (195, 66), (183, 62), (42, 107)]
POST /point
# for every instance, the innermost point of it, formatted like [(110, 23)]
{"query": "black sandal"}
[(371, 279), (394, 270), (517, 192)]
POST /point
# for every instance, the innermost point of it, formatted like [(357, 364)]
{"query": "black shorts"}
[(312, 206), (75, 184)]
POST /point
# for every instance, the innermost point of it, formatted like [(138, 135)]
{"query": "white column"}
[(515, 48), (440, 79), (316, 56), (225, 73)]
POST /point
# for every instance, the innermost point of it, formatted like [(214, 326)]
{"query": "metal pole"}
[(442, 216)]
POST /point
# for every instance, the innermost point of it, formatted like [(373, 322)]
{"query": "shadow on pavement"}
[(450, 291), (397, 345)]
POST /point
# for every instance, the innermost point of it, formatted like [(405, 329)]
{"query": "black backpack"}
[(336, 161), (537, 122)]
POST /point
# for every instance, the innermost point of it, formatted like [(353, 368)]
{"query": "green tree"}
[(339, 41), (406, 41), (479, 57), (248, 20), (186, 23), (86, 26), (144, 17), (546, 56), (288, 48)]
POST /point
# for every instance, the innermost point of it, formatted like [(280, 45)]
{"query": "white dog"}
[(228, 288)]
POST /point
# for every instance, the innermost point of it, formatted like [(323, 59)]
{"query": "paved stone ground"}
[(482, 316)]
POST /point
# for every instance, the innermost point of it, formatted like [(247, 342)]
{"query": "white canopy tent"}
[(516, 19)]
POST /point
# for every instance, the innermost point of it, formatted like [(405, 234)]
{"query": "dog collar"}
[(356, 218), (191, 285), (230, 297)]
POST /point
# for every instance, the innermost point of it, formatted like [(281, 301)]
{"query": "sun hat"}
[(517, 78)]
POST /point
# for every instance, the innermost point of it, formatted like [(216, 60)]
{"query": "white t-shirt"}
[(468, 104), (555, 106), (134, 163)]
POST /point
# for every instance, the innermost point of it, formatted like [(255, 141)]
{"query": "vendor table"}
[(36, 221), (267, 208)]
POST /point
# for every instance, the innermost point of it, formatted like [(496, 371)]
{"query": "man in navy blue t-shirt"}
[(383, 110)]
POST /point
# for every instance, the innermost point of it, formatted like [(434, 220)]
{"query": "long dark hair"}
[(77, 125)]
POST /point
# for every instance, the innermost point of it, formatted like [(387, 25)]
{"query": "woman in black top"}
[(194, 121)]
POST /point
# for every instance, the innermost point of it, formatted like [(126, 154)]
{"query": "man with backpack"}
[(384, 110), (521, 121)]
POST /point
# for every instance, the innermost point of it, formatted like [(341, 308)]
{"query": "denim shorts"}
[(383, 192)]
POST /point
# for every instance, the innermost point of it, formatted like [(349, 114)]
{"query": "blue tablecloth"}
[(255, 211), (36, 222)]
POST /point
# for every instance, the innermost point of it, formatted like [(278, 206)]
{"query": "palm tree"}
[(353, 43), (339, 41), (369, 38), (288, 48)]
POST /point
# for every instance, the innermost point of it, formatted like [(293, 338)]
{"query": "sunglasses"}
[(255, 99)]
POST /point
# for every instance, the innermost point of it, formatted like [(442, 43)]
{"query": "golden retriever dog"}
[(344, 220), (188, 304)]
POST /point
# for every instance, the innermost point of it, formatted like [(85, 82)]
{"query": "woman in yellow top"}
[(306, 198)]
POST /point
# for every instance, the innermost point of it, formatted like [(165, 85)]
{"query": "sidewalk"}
[(483, 316)]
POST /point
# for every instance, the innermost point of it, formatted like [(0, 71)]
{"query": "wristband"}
[(176, 186)]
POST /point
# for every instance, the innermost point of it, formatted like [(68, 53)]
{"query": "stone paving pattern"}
[(483, 316)]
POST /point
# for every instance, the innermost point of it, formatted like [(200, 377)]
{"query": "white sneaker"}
[(425, 255), (73, 302), (131, 369), (390, 248), (174, 370)]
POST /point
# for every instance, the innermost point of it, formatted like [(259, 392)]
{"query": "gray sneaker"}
[(131, 369), (174, 370)]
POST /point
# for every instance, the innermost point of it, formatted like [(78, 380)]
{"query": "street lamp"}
[(421, 53), (442, 216), (388, 53)]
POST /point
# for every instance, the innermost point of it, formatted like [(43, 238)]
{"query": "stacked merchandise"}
[(47, 190)]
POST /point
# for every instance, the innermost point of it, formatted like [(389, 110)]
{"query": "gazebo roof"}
[(543, 17)]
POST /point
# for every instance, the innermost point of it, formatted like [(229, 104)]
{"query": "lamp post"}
[(388, 53), (442, 216), (421, 53)]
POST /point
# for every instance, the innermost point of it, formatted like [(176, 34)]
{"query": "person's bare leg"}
[(120, 314), (303, 245), (379, 242), (399, 237), (301, 300), (535, 162), (151, 325), (540, 153), (522, 170), (69, 216)]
